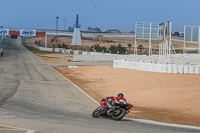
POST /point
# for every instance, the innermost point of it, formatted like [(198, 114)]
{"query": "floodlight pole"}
[(135, 49), (57, 24), (192, 33), (164, 38), (170, 41), (184, 50), (150, 52), (159, 51), (162, 51), (46, 40), (199, 41)]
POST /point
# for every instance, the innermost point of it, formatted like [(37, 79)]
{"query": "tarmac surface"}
[(35, 97)]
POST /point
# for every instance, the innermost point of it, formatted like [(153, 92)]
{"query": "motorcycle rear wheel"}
[(96, 113), (120, 115)]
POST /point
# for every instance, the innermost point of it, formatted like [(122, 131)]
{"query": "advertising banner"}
[(27, 33), (4, 32)]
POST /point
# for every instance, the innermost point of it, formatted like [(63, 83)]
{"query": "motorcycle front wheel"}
[(118, 114), (96, 113)]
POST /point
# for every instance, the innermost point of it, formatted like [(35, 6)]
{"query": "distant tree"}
[(97, 29), (129, 46), (113, 49), (122, 50), (140, 47), (116, 49), (94, 29), (113, 30), (89, 28), (104, 49), (98, 48), (64, 46), (70, 29), (59, 46)]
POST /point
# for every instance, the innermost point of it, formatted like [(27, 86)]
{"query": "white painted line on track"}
[(17, 128), (137, 120), (163, 124)]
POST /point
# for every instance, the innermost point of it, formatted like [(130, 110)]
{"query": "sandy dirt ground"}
[(102, 42), (88, 43), (56, 58), (171, 98)]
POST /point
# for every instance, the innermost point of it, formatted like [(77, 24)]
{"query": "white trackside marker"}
[(30, 131)]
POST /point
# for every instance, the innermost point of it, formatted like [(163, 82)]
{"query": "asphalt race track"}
[(35, 97)]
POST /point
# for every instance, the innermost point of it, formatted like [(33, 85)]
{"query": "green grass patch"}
[(23, 40)]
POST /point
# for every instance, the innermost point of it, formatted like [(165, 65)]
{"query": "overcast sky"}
[(113, 14)]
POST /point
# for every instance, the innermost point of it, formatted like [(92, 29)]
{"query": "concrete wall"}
[(101, 57), (175, 58), (156, 67), (59, 50), (47, 49)]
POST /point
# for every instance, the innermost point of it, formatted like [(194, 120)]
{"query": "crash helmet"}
[(121, 95)]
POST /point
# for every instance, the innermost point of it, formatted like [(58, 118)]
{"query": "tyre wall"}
[(157, 67)]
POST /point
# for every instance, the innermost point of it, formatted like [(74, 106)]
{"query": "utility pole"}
[(57, 24)]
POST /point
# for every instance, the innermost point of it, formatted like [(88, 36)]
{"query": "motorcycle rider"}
[(106, 104), (120, 98)]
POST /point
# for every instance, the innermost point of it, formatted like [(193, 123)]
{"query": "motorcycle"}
[(116, 112)]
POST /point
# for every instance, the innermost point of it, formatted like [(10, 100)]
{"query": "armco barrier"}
[(156, 67)]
